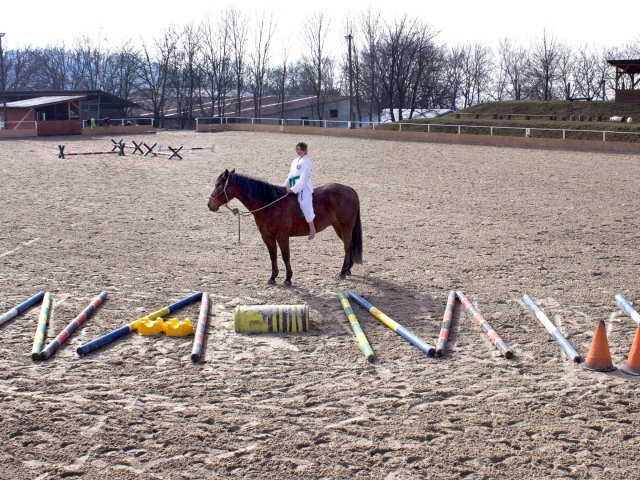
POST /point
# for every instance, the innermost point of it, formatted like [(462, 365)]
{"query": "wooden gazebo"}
[(627, 80)]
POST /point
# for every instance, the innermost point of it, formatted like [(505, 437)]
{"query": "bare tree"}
[(259, 61), (466, 85), (216, 62), (513, 64), (454, 73), (91, 58), (544, 67), (317, 66), (476, 65), (587, 73), (280, 79), (605, 75), (238, 39), (21, 68), (420, 74), (123, 66), (370, 28), (53, 67), (405, 53), (566, 69), (184, 74), (154, 72)]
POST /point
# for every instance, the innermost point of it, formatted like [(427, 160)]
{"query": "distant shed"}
[(62, 112), (627, 80), (54, 115)]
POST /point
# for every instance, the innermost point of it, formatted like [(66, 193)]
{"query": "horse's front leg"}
[(283, 243), (270, 242)]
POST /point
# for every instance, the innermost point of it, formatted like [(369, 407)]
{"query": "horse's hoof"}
[(287, 283), (342, 275), (271, 281)]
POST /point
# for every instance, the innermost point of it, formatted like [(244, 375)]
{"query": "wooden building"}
[(627, 80), (54, 115), (60, 112)]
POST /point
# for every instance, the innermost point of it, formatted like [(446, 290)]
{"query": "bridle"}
[(235, 211)]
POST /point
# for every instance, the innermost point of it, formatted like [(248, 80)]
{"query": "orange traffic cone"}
[(632, 367), (599, 359)]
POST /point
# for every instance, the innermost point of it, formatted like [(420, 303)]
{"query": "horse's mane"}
[(259, 190)]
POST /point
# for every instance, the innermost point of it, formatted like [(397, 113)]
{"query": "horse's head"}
[(221, 193)]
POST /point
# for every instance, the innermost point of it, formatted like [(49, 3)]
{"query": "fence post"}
[(604, 135), (400, 127), (491, 130), (458, 129), (564, 134)]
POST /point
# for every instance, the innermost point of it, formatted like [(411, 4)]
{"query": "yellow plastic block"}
[(148, 327), (174, 327)]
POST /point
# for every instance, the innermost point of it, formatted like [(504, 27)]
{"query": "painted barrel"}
[(271, 318)]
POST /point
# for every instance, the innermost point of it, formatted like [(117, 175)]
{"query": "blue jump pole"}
[(552, 329), (409, 336), (626, 306), (103, 340), (21, 308), (122, 331)]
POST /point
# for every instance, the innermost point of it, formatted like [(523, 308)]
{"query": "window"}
[(333, 113)]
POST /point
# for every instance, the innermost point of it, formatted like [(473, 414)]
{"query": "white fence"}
[(490, 130)]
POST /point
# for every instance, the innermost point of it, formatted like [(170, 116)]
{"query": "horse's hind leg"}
[(283, 243), (345, 236), (273, 254)]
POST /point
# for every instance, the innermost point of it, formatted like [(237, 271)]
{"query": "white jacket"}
[(300, 175)]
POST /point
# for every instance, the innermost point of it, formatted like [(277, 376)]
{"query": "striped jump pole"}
[(198, 339), (357, 329), (625, 305), (15, 311), (41, 330), (122, 331), (552, 329), (63, 154), (393, 325), (72, 327), (446, 324), (479, 319)]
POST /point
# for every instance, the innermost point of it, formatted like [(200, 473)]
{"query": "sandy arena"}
[(494, 222)]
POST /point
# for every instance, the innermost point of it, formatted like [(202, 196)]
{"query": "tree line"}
[(205, 69)]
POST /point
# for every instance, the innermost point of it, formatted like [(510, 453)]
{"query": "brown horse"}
[(278, 217)]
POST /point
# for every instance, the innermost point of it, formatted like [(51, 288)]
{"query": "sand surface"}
[(495, 223)]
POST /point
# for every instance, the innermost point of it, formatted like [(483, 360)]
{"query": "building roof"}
[(44, 101), (107, 100), (271, 105), (629, 66)]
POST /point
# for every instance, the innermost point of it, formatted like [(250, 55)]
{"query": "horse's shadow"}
[(417, 311)]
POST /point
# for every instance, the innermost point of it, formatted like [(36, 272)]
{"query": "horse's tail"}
[(356, 240)]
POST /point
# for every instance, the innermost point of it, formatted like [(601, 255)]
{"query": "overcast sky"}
[(40, 23)]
